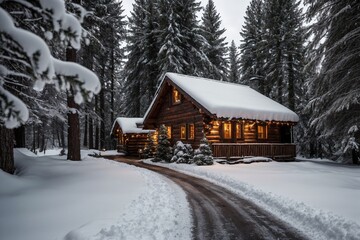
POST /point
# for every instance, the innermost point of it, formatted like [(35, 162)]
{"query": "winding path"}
[(220, 214)]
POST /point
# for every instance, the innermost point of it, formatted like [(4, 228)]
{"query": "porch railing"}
[(271, 150)]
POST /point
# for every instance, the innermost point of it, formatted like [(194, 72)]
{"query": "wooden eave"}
[(192, 100), (150, 119)]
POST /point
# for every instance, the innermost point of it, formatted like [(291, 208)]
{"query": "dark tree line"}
[(334, 86), (166, 36), (313, 70)]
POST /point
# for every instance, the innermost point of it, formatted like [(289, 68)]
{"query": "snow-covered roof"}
[(130, 125), (230, 100)]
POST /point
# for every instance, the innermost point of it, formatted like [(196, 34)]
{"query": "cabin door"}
[(285, 134)]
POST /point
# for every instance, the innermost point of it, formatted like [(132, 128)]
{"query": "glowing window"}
[(183, 132), (168, 128), (227, 130), (176, 96), (239, 130), (191, 131), (262, 131)]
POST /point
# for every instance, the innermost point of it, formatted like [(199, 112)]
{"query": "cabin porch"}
[(275, 151)]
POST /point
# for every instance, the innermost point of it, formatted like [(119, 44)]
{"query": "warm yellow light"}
[(183, 132), (176, 96), (227, 130)]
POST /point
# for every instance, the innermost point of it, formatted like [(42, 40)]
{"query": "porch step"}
[(283, 158)]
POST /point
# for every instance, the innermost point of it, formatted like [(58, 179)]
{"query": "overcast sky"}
[(231, 12)]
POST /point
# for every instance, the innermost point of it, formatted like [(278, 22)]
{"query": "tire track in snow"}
[(220, 214)]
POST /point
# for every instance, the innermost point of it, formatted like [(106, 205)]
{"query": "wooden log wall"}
[(271, 150), (249, 133), (134, 143), (176, 115)]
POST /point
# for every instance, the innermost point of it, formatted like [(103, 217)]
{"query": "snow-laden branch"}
[(33, 46), (13, 111), (33, 52), (86, 79)]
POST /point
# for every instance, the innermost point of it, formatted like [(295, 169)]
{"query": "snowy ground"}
[(320, 198), (51, 198)]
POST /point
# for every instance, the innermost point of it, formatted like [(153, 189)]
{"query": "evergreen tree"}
[(272, 50), (234, 68), (183, 153), (180, 41), (284, 37), (336, 88), (164, 150), (215, 49), (252, 49), (203, 155), (141, 70), (150, 147), (19, 58)]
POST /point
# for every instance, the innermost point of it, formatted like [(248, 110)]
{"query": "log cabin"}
[(237, 120), (130, 135)]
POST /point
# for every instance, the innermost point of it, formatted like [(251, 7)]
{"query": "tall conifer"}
[(234, 69), (335, 104), (215, 49)]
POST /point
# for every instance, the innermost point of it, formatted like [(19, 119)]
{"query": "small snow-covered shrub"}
[(183, 153), (203, 155)]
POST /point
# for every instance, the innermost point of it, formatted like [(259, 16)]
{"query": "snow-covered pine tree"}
[(284, 38), (163, 150), (27, 55), (234, 68), (110, 33), (336, 88), (141, 70), (150, 147), (133, 70), (180, 40), (252, 49), (183, 153), (216, 48), (151, 51), (203, 155)]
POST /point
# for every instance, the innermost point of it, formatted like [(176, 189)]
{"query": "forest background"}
[(306, 59)]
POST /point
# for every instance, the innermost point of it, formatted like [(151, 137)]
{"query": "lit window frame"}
[(239, 134), (227, 132), (191, 131), (262, 131), (176, 96), (169, 131), (183, 132)]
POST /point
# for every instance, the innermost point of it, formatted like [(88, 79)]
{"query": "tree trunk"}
[(355, 156), (102, 108), (278, 79), (62, 135), (86, 131), (97, 134), (291, 86), (96, 122), (91, 133), (7, 150), (73, 130), (112, 86), (38, 137), (19, 137), (73, 118), (34, 139)]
